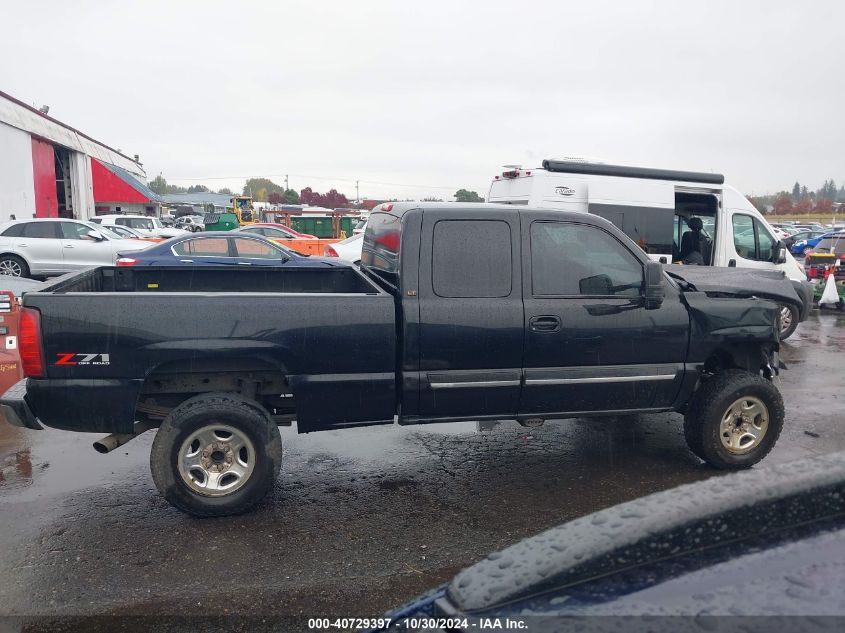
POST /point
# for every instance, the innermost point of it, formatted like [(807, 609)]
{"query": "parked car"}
[(274, 231), (192, 223), (811, 242), (457, 312), (698, 550), (43, 247), (147, 225), (280, 231), (168, 220), (348, 249), (216, 249), (360, 227), (127, 233), (801, 235)]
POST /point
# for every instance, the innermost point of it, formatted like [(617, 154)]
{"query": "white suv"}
[(42, 247), (147, 225)]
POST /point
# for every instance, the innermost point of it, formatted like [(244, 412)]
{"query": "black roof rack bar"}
[(593, 169)]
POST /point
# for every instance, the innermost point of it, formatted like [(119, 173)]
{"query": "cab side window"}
[(580, 260), (751, 239), (483, 271)]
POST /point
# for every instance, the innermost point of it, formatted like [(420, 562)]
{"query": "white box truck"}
[(675, 216)]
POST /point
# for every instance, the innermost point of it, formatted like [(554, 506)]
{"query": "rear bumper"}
[(15, 410), (89, 405)]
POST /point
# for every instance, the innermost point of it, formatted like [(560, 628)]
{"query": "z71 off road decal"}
[(82, 359)]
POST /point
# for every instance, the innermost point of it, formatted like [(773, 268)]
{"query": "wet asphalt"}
[(360, 521)]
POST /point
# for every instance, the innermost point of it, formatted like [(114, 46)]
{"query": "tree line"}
[(801, 199), (265, 190)]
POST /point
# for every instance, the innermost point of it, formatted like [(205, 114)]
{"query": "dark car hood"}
[(739, 282)]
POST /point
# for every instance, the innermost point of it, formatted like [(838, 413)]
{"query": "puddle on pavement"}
[(53, 463), (15, 458)]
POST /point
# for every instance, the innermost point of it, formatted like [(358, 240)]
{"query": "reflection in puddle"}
[(15, 458)]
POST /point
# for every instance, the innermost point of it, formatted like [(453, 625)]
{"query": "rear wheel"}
[(13, 266), (216, 455), (787, 321), (734, 419)]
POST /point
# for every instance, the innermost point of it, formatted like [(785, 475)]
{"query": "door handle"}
[(68, 245), (187, 261), (731, 263), (244, 264), (544, 324)]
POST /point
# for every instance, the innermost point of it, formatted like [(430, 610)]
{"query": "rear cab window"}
[(381, 243)]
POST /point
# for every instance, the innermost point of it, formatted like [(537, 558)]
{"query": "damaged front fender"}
[(741, 332)]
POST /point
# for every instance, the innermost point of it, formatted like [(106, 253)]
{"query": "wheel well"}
[(18, 255), (746, 357), (170, 384)]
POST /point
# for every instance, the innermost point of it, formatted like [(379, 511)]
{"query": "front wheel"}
[(734, 419), (216, 455), (13, 266), (787, 321)]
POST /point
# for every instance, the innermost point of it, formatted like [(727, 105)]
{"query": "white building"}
[(49, 169)]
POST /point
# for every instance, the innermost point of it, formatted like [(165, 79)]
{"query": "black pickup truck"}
[(458, 312)]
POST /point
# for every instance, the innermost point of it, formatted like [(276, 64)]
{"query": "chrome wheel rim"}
[(216, 460), (10, 268), (744, 425), (785, 319)]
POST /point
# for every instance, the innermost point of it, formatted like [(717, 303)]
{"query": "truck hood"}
[(738, 282)]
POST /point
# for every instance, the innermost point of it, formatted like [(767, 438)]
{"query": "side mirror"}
[(655, 288), (96, 235), (780, 253)]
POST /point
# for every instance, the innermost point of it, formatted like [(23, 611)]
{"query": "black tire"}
[(712, 402), (203, 412), (11, 263), (788, 330)]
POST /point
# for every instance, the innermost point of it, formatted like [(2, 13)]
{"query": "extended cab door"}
[(471, 316), (590, 343)]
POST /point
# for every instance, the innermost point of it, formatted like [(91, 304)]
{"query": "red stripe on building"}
[(110, 188), (44, 174)]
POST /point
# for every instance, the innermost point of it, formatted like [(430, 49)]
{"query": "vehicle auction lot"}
[(361, 520)]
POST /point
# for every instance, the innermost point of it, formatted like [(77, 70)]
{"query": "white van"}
[(655, 207)]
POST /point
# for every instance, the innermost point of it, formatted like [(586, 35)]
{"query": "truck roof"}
[(401, 208)]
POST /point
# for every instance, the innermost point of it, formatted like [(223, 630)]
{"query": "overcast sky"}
[(420, 98)]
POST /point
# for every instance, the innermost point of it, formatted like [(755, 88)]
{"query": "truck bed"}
[(324, 336), (241, 279)]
